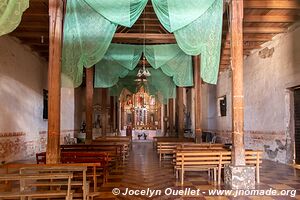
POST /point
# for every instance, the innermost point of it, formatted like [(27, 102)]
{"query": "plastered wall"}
[(23, 76), (269, 73)]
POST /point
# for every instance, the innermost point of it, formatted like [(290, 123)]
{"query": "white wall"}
[(67, 119), (266, 81), (209, 111), (23, 76)]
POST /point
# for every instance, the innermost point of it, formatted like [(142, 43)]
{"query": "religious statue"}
[(82, 128), (128, 99), (98, 122)]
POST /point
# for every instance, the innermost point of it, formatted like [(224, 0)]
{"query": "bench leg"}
[(219, 175), (69, 197), (257, 174), (215, 174), (182, 175), (159, 157)]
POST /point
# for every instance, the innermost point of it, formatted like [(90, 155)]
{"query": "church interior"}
[(150, 99)]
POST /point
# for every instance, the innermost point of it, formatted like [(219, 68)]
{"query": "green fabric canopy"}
[(157, 83), (162, 83), (118, 60), (197, 26), (206, 41), (88, 33), (11, 14), (122, 12), (172, 61), (175, 14), (121, 58), (90, 25)]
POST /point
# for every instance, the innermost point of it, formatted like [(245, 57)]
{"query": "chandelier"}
[(143, 72)]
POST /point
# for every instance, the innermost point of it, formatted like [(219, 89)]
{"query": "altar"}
[(142, 113), (149, 134)]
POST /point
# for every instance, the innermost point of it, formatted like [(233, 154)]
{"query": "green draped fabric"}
[(172, 61), (118, 60), (11, 14), (162, 83), (116, 90), (175, 14), (88, 34), (117, 11), (157, 83), (125, 54), (206, 42), (197, 26)]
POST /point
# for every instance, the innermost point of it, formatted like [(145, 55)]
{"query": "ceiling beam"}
[(260, 29), (147, 36), (264, 30), (141, 41), (246, 46), (228, 52), (272, 4), (30, 34), (271, 18), (258, 37)]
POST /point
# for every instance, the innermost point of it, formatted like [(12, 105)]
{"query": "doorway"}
[(297, 124)]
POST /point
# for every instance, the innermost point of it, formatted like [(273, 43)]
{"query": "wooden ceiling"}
[(263, 19)]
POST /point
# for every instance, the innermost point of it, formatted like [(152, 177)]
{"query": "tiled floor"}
[(143, 170)]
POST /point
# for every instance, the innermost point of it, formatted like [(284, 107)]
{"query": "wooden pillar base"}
[(198, 136)]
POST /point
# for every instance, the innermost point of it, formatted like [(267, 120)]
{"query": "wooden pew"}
[(89, 157), (62, 167), (115, 138), (114, 152), (126, 145), (193, 147), (165, 148), (55, 168), (254, 157), (170, 139), (23, 193), (207, 159)]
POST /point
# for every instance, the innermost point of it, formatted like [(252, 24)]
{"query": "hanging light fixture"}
[(143, 71)]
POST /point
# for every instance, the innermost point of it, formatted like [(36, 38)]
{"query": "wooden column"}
[(121, 116), (158, 119), (54, 76), (104, 111), (133, 119), (89, 96), (165, 114), (197, 88), (112, 111), (171, 116), (117, 113), (238, 150), (180, 111)]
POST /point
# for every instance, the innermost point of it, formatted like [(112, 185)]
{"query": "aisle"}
[(143, 171)]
